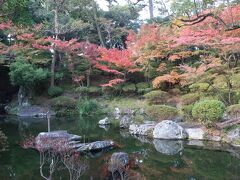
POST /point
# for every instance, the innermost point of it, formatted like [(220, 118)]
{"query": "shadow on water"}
[(148, 159)]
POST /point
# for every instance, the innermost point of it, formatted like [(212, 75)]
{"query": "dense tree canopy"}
[(202, 36)]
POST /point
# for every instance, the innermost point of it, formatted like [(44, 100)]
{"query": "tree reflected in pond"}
[(3, 141), (55, 155), (72, 161)]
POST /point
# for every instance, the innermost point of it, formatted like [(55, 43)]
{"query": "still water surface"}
[(156, 160)]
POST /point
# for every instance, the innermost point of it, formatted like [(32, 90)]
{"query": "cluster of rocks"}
[(125, 117), (170, 130)]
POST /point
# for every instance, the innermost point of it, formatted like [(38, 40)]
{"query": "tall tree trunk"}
[(88, 77), (53, 68), (96, 23), (54, 56), (151, 9)]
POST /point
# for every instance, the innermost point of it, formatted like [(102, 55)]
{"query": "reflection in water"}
[(148, 159), (55, 153), (118, 166), (3, 141), (168, 147), (72, 161)]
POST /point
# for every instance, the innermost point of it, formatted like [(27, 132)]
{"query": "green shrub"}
[(55, 91), (63, 102), (87, 107), (96, 90), (233, 110), (175, 91), (220, 82), (144, 91), (223, 95), (208, 111), (199, 87), (162, 112), (143, 88), (129, 88), (92, 90), (190, 98), (82, 90), (235, 80), (108, 91), (157, 97), (118, 87), (142, 85), (64, 105), (187, 111)]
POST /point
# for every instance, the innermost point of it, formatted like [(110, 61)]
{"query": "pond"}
[(152, 159)]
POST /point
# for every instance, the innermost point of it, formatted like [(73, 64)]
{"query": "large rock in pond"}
[(104, 121), (168, 147), (125, 121), (169, 130), (63, 141), (233, 137), (57, 140), (95, 146), (34, 111), (145, 129)]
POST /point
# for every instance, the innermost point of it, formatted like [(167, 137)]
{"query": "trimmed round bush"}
[(199, 87), (157, 97), (129, 88), (235, 80), (142, 85), (55, 91), (208, 111), (233, 110), (143, 88), (63, 102), (144, 91), (162, 112), (190, 98), (82, 90)]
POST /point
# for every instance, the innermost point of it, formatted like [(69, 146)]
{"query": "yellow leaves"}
[(174, 57), (162, 67), (173, 77), (181, 55)]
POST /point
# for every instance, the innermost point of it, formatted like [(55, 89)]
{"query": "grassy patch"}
[(162, 112)]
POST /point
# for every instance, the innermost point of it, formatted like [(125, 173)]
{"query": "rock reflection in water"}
[(168, 147)]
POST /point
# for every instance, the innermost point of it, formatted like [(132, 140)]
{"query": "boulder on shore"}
[(142, 129), (195, 133), (233, 137), (169, 130), (104, 121)]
